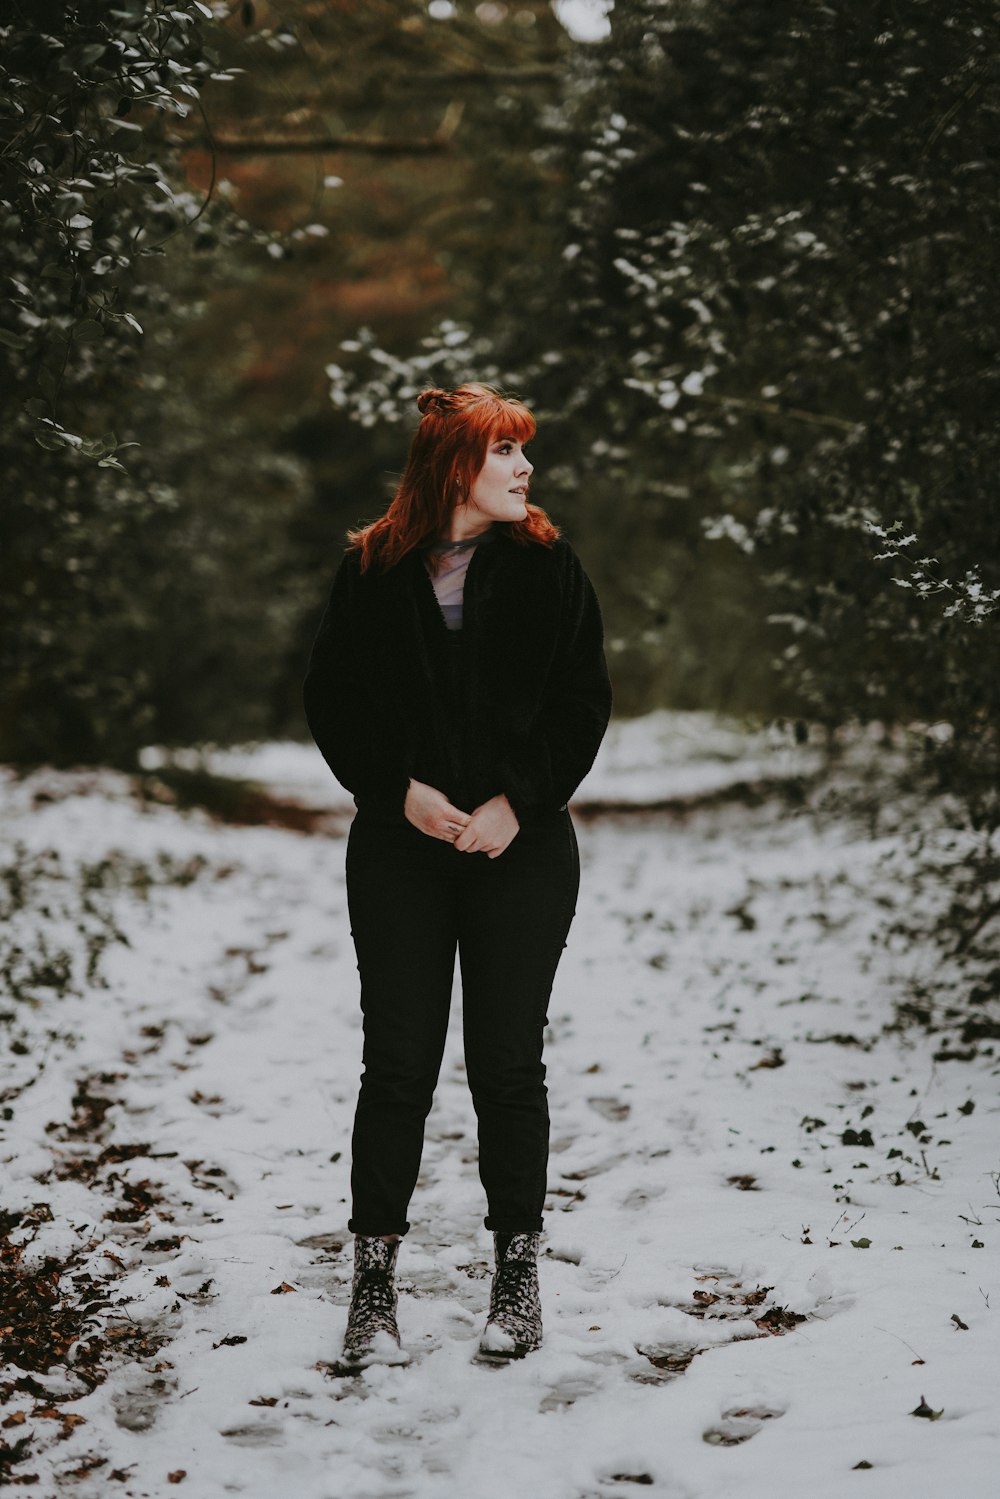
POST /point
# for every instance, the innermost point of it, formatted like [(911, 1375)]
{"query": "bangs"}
[(511, 420)]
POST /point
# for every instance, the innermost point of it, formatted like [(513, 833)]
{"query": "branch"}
[(306, 145), (771, 408), (479, 75), (379, 145)]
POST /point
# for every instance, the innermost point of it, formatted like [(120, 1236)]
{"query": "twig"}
[(271, 145), (772, 408), (895, 1335)]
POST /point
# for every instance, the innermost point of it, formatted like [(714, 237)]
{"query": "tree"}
[(85, 206)]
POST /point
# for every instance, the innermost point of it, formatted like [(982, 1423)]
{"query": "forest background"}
[(736, 258)]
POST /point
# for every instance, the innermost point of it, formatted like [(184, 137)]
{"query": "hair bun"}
[(434, 399)]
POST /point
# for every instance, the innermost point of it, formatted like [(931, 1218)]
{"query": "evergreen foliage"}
[(124, 596)]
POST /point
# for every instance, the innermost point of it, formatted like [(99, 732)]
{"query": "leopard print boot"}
[(514, 1322), (372, 1335)]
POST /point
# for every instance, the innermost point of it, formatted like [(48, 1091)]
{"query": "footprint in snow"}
[(137, 1406), (610, 1108), (263, 1434), (640, 1196), (596, 1168), (739, 1424), (666, 1361)]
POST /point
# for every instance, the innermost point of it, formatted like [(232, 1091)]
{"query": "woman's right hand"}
[(432, 812)]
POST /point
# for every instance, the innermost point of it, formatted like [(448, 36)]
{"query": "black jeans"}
[(413, 901)]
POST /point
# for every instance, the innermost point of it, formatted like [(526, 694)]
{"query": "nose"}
[(525, 467)]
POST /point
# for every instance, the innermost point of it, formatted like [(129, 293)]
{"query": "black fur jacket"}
[(529, 700)]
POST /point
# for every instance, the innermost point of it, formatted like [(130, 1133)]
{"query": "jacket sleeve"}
[(339, 709), (545, 770)]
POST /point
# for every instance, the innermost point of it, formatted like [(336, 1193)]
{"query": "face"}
[(500, 489)]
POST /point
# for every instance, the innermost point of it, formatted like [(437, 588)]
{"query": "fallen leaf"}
[(923, 1409), (958, 1322)]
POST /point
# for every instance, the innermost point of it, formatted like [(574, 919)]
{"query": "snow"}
[(660, 757), (719, 1021)]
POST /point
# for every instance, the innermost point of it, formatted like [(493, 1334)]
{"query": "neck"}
[(463, 525)]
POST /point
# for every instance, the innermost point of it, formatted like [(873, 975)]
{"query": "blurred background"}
[(735, 258)]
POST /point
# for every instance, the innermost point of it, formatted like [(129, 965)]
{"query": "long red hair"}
[(447, 451)]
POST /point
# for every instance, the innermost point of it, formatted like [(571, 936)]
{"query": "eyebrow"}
[(508, 438)]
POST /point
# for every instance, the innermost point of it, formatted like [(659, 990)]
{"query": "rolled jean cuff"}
[(356, 1226), (512, 1225)]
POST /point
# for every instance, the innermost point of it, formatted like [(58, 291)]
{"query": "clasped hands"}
[(487, 830)]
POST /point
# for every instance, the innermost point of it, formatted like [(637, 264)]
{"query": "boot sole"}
[(343, 1366), (497, 1356)]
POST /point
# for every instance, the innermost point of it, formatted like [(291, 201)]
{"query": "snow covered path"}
[(771, 1230)]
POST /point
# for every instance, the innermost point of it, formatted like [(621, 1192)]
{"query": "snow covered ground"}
[(771, 1232)]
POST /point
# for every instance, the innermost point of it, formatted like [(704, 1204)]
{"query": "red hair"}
[(446, 454)]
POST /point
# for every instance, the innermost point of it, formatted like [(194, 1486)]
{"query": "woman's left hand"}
[(490, 828)]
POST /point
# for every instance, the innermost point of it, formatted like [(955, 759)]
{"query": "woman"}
[(458, 689)]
